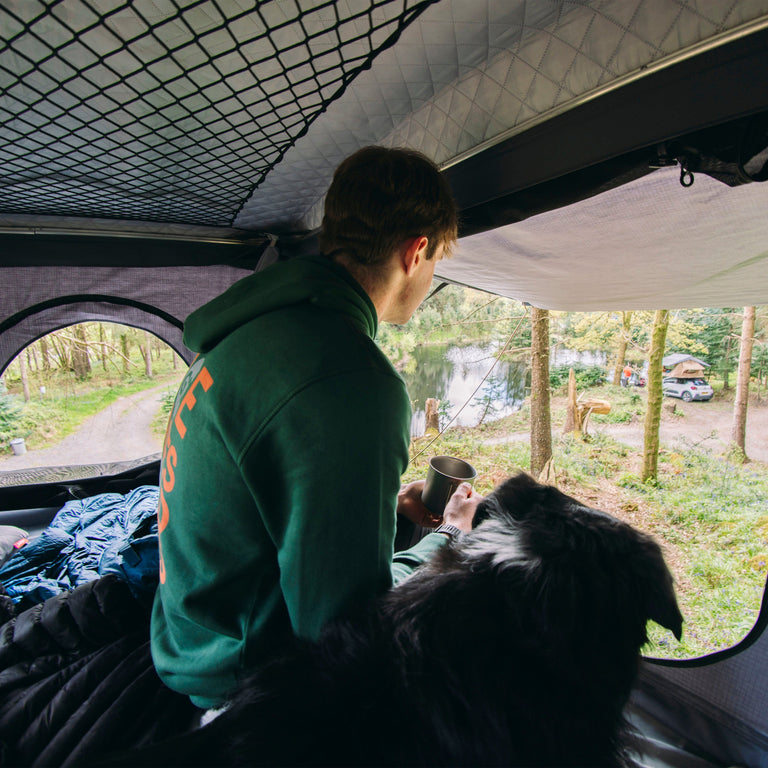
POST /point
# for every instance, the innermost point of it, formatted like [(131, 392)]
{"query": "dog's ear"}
[(514, 497), (660, 600)]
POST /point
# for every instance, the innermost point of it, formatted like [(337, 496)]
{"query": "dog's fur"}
[(516, 645)]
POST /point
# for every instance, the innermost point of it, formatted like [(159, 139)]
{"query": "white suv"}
[(687, 389)]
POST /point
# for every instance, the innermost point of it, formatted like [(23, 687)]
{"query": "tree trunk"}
[(45, 354), (655, 396), (572, 414), (125, 344), (431, 416), (626, 323), (727, 364), (103, 342), (148, 355), (739, 432), (541, 426), (23, 374), (80, 360)]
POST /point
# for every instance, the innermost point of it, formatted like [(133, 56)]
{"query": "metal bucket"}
[(18, 447)]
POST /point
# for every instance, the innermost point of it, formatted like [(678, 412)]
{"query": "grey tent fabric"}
[(718, 704), (495, 69), (650, 244), (37, 301)]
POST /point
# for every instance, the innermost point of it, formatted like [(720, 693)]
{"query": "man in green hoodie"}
[(280, 476)]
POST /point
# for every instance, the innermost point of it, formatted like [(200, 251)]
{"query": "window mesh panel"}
[(166, 110)]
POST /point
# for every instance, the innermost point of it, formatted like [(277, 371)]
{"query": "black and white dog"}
[(517, 645)]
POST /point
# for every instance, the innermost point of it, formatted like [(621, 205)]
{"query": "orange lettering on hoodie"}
[(190, 400), (162, 518), (170, 456), (169, 478)]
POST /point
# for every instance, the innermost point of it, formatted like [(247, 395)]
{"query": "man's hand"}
[(410, 505), (461, 507)]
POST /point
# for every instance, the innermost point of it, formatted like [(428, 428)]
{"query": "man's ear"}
[(413, 252)]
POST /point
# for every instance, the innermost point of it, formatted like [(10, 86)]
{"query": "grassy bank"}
[(49, 417), (709, 515)]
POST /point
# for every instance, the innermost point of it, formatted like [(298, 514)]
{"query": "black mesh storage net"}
[(170, 110)]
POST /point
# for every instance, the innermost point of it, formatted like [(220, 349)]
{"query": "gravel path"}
[(705, 425), (120, 432)]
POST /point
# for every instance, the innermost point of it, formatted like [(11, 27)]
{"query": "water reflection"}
[(452, 374), (564, 356)]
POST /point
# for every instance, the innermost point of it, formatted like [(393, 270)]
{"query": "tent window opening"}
[(85, 395), (470, 388)]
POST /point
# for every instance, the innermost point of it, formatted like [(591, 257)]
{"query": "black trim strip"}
[(83, 298), (748, 640), (608, 136), (49, 250)]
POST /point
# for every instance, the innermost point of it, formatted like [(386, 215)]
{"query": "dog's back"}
[(517, 645)]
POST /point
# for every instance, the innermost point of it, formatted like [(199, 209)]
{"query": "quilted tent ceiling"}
[(223, 119)]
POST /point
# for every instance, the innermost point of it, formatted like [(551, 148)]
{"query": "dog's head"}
[(595, 575), (540, 613)]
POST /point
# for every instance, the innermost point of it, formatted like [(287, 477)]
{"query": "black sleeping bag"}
[(77, 681)]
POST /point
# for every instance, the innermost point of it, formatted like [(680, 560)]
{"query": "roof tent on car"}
[(604, 154)]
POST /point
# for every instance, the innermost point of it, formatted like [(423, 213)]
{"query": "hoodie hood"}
[(316, 280)]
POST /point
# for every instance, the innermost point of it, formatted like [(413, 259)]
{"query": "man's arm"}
[(459, 512)]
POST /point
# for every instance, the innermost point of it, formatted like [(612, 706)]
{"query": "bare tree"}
[(23, 374), (541, 425), (655, 396), (148, 355), (45, 354), (739, 431), (81, 363), (102, 342), (125, 345), (621, 353)]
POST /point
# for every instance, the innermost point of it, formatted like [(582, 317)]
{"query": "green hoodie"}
[(281, 466)]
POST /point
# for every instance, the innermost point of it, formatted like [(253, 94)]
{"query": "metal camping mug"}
[(445, 475)]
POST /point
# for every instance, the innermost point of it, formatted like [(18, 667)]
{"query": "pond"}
[(456, 376)]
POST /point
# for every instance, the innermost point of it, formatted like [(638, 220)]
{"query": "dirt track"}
[(120, 432), (704, 425)]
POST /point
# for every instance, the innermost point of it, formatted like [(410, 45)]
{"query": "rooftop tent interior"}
[(151, 161)]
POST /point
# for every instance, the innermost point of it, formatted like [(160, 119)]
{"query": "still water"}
[(455, 376)]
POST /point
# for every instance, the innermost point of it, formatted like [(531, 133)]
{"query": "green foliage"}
[(456, 315), (490, 398), (586, 375), (167, 400), (10, 418), (68, 400), (717, 332)]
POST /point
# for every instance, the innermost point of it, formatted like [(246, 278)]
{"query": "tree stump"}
[(578, 411), (670, 408), (432, 416), (572, 415)]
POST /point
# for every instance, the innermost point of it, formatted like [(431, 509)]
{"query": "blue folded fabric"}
[(88, 538)]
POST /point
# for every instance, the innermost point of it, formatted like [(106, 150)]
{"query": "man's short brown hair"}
[(380, 197)]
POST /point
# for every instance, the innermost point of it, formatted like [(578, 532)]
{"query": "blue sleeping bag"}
[(89, 538)]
